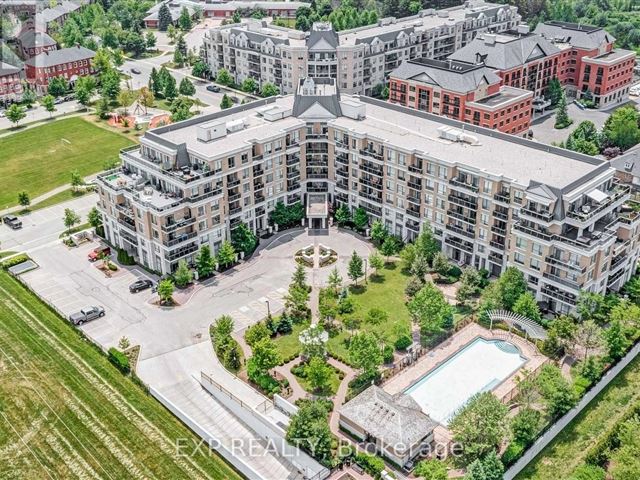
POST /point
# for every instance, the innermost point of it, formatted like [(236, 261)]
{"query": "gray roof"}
[(317, 37), (397, 420), (452, 76), (577, 35), (51, 14), (628, 163), (386, 36), (260, 37), (33, 38), (328, 98), (508, 51), (57, 57), (6, 69)]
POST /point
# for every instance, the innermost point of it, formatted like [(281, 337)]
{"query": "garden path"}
[(340, 396), (285, 370)]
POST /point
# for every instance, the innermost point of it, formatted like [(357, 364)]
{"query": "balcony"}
[(498, 230), (344, 160), (415, 168), (412, 225), (469, 233), (544, 216), (295, 160), (415, 185), (128, 224), (497, 245), (374, 170), (459, 183), (502, 215), (172, 225), (373, 154), (457, 243), (317, 136), (532, 232), (414, 198), (293, 174), (589, 211), (414, 212), (496, 258), (233, 183), (461, 216), (559, 263), (371, 183), (342, 185), (615, 277), (504, 197), (235, 211), (617, 261), (463, 202), (172, 242), (370, 195), (559, 294), (181, 252), (562, 280)]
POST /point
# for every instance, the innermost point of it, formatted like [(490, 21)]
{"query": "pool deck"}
[(457, 342)]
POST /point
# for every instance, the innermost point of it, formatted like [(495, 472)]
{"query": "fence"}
[(557, 427)]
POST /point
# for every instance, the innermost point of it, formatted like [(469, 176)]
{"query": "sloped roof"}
[(397, 420), (588, 37), (508, 51), (451, 76), (57, 57), (322, 40), (6, 69), (51, 14), (33, 38), (628, 163)]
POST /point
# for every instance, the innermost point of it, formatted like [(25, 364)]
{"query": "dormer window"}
[(628, 165)]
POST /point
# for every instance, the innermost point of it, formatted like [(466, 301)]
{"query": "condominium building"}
[(359, 59), (68, 63), (491, 199), (10, 83), (466, 92)]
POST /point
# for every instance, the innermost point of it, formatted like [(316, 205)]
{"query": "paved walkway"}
[(341, 394), (297, 391)]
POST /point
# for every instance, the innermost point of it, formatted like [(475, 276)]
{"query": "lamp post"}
[(268, 308)]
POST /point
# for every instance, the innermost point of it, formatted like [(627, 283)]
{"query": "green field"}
[(42, 158), (66, 412), (568, 450)]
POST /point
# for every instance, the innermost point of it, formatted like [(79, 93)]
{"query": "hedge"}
[(17, 260), (119, 359)]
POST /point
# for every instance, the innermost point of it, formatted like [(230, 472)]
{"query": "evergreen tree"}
[(554, 91), (226, 102), (183, 275), (355, 268), (227, 254), (185, 20), (475, 471), (170, 91), (164, 18), (493, 467), (205, 262), (342, 215), (186, 87), (562, 116)]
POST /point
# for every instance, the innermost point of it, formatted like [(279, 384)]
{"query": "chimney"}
[(489, 39), (522, 29)]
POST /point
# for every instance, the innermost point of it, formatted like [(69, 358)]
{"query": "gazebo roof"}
[(532, 328)]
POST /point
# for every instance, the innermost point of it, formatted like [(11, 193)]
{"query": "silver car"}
[(86, 314)]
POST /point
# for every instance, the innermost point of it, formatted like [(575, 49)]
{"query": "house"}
[(69, 63), (10, 83), (32, 42), (628, 168), (394, 423), (57, 14), (175, 8)]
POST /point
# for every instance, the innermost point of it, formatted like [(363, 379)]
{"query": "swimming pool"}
[(480, 366)]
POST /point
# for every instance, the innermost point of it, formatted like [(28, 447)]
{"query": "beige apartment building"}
[(492, 199), (359, 59)]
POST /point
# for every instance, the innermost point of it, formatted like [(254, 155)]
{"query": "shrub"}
[(376, 316), (124, 258), (387, 354), (119, 360), (113, 267), (588, 472), (403, 342), (372, 464), (346, 305), (513, 452), (13, 261)]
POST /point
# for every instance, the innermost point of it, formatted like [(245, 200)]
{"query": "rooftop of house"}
[(505, 96), (6, 69), (505, 51), (34, 38), (259, 31), (448, 74), (52, 14), (612, 56), (396, 420), (586, 37), (58, 57), (485, 151)]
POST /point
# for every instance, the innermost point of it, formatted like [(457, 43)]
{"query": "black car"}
[(136, 71), (213, 88), (139, 285)]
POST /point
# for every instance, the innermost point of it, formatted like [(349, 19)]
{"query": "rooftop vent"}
[(457, 135), (489, 39), (235, 125), (210, 131), (522, 29)]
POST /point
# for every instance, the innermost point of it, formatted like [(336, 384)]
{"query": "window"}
[(535, 264), (536, 248), (521, 243), (518, 258)]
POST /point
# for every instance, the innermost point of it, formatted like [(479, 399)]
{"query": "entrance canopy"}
[(531, 328)]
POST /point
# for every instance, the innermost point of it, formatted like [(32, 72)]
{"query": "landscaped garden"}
[(54, 150)]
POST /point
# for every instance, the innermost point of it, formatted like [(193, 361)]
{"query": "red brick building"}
[(32, 42), (590, 67), (10, 83), (69, 63), (462, 91)]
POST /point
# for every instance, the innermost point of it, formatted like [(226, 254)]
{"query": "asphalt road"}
[(38, 113)]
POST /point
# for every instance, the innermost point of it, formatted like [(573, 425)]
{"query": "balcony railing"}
[(171, 226), (456, 242), (563, 281), (504, 197), (372, 154), (456, 182), (559, 294), (463, 201), (181, 252), (544, 216), (181, 239), (462, 231), (586, 214), (557, 262)]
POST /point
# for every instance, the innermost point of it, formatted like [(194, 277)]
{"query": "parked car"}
[(140, 285), (96, 253), (12, 221), (235, 99), (58, 100), (213, 88), (135, 71), (86, 314)]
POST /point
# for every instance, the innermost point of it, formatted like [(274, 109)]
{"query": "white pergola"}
[(531, 329)]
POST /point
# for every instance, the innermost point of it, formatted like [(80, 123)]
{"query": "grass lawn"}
[(64, 196), (41, 158), (568, 450), (386, 291), (66, 412), (289, 346)]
